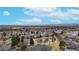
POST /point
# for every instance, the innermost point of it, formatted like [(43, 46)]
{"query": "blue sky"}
[(38, 15)]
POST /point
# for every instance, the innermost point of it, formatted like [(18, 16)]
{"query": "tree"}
[(78, 34), (15, 40), (11, 34), (22, 39), (52, 35), (4, 34), (31, 41), (40, 35), (62, 45)]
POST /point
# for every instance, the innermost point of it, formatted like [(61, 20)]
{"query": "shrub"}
[(62, 43), (62, 48), (23, 48)]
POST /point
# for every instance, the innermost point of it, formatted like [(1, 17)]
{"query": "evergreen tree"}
[(31, 41), (62, 32), (17, 38), (4, 34), (62, 45), (13, 40), (22, 39)]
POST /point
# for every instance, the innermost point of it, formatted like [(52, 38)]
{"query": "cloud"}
[(72, 14), (17, 23), (54, 13), (39, 12), (30, 20), (56, 22), (33, 21), (6, 13), (43, 9)]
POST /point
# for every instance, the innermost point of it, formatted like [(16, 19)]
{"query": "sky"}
[(38, 15)]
